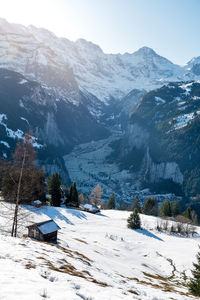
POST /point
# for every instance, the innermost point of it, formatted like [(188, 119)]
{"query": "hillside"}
[(162, 139), (97, 257)]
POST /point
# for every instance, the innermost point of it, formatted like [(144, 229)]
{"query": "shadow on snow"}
[(54, 213), (149, 234)]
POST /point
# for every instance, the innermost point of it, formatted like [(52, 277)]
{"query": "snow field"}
[(97, 257)]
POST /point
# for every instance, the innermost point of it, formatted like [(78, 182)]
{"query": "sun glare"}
[(46, 14)]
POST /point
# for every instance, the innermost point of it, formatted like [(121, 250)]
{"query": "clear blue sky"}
[(170, 27)]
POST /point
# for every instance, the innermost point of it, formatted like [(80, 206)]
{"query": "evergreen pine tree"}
[(175, 208), (68, 200), (54, 189), (111, 202), (136, 204), (134, 220), (150, 207), (75, 195), (72, 197), (165, 210), (188, 213), (194, 285)]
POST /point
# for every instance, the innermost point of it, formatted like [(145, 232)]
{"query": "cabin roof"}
[(46, 226), (37, 202)]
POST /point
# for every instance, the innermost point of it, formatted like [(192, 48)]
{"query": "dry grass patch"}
[(71, 270), (81, 241), (157, 276), (133, 292), (30, 265)]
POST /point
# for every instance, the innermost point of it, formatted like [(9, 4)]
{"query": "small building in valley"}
[(44, 231)]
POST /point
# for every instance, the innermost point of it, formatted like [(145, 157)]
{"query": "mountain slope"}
[(163, 137), (40, 55), (97, 257), (57, 124)]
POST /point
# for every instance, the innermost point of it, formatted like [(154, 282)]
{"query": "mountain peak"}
[(146, 50)]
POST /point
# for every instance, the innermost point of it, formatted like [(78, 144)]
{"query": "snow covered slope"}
[(41, 55), (97, 257)]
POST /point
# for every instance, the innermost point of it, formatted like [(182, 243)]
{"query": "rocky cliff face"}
[(163, 137), (154, 172)]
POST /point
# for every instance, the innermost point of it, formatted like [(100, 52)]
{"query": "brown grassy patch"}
[(158, 277), (79, 240), (133, 292), (30, 265), (144, 265), (71, 270), (83, 256), (21, 244), (86, 272)]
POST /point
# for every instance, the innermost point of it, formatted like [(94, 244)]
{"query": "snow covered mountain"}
[(69, 66), (163, 140), (85, 92), (194, 65)]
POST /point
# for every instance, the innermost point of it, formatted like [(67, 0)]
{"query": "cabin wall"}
[(33, 232), (51, 236)]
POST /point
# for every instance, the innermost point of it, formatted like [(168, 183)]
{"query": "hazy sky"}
[(170, 27)]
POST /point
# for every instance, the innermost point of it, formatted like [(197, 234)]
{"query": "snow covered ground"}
[(97, 257)]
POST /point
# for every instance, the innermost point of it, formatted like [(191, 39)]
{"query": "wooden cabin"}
[(44, 231), (37, 203)]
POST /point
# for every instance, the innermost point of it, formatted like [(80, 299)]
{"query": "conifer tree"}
[(194, 285), (188, 213), (175, 208), (165, 210), (54, 189), (134, 220), (72, 197), (150, 207), (136, 204), (111, 202), (69, 196), (75, 195)]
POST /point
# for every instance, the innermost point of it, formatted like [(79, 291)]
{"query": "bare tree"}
[(22, 183), (95, 195), (24, 156)]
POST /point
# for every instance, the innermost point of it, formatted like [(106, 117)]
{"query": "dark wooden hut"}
[(44, 231)]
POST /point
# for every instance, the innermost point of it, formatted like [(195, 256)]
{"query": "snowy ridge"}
[(103, 75), (16, 134), (97, 257)]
